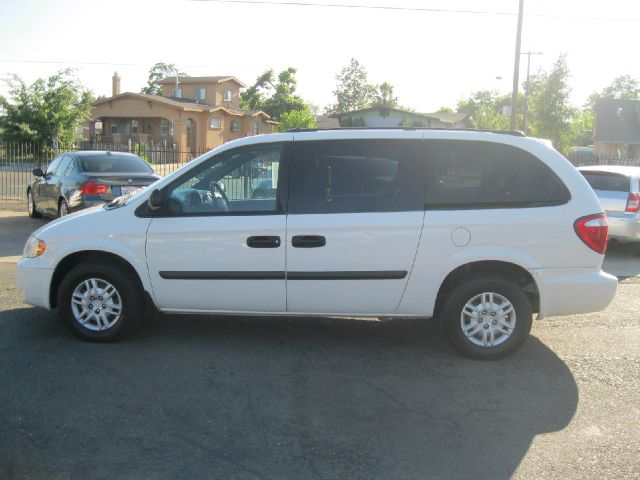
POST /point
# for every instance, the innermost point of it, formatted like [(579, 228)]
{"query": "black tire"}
[(33, 212), (63, 208), (129, 298), (471, 289)]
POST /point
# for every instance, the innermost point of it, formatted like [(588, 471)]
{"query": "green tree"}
[(353, 91), (297, 119), (551, 114), (158, 72), (49, 109), (484, 110), (384, 95), (623, 87), (275, 96)]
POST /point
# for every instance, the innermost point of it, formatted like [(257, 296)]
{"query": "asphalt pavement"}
[(188, 397)]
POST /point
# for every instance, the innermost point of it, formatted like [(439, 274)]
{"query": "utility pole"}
[(516, 70), (528, 88)]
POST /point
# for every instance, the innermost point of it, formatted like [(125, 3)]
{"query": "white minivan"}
[(480, 229)]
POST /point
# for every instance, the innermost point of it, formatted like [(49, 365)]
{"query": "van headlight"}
[(34, 247)]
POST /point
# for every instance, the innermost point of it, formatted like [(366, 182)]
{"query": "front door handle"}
[(263, 241), (308, 241)]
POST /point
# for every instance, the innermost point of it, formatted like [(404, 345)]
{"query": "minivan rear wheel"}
[(99, 303), (487, 316)]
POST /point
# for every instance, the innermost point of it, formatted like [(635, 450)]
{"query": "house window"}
[(134, 126), (214, 122), (201, 94), (176, 92), (227, 95), (255, 130), (146, 127), (166, 128), (235, 126), (114, 127), (98, 127)]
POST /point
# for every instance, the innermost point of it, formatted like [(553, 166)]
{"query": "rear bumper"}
[(624, 228), (34, 281), (568, 291)]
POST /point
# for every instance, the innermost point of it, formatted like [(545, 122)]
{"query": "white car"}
[(481, 229), (618, 189)]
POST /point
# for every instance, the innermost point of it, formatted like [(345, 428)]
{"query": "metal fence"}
[(17, 161)]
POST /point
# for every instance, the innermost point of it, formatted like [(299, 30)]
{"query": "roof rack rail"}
[(515, 133)]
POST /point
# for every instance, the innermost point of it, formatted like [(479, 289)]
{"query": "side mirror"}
[(155, 201), (38, 172)]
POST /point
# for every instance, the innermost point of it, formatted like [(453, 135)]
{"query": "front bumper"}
[(34, 281), (569, 291)]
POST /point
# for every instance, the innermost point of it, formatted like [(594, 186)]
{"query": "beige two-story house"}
[(192, 115)]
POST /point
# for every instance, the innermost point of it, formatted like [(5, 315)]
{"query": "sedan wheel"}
[(31, 206), (63, 209)]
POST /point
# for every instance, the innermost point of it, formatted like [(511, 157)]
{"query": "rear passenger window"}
[(348, 176), (607, 181), (470, 174)]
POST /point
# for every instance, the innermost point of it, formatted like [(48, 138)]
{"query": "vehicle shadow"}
[(189, 397), (622, 259), (14, 231)]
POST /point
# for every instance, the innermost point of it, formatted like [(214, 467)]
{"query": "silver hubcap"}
[(488, 319), (96, 304), (30, 203), (63, 209)]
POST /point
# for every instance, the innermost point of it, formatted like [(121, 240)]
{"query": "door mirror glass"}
[(155, 201), (38, 172)]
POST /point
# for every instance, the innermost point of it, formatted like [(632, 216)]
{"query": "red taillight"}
[(593, 231), (633, 203), (93, 188)]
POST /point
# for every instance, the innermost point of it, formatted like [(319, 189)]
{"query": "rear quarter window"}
[(611, 182), (471, 174)]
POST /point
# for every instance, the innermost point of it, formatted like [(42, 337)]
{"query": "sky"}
[(433, 58)]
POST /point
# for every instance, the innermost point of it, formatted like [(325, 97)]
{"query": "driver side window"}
[(241, 180)]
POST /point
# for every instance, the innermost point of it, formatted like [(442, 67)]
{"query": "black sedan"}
[(77, 180)]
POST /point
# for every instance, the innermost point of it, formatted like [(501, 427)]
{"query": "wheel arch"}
[(510, 270), (76, 258)]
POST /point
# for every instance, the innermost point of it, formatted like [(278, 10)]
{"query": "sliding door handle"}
[(308, 241), (263, 241)]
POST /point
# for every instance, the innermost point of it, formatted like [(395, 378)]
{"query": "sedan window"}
[(114, 164)]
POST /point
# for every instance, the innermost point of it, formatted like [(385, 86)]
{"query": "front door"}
[(356, 210), (218, 244)]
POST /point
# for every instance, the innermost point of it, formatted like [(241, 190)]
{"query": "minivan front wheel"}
[(98, 302), (487, 316)]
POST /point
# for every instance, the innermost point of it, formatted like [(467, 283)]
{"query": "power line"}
[(116, 64), (418, 9)]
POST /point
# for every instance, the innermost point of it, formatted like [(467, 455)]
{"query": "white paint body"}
[(428, 245)]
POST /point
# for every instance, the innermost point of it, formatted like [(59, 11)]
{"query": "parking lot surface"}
[(270, 398)]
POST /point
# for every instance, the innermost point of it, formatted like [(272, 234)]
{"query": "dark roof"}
[(617, 121), (444, 117), (216, 79)]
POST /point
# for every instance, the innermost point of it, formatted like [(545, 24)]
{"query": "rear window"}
[(113, 163), (612, 182), (470, 174)]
